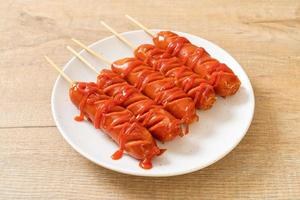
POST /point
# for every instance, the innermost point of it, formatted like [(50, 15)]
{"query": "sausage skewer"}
[(116, 121), (154, 85), (225, 82), (197, 88), (161, 124)]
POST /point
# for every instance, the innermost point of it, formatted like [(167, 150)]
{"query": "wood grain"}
[(35, 161)]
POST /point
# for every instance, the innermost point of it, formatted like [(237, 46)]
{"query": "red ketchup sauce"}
[(159, 122), (92, 95), (219, 75), (159, 88), (191, 83)]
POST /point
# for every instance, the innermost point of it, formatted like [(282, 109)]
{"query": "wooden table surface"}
[(36, 162)]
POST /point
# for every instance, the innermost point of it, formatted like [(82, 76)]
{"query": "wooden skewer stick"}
[(139, 24), (91, 51), (82, 59), (61, 72), (118, 35)]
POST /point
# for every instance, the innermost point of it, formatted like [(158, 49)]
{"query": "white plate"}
[(219, 130)]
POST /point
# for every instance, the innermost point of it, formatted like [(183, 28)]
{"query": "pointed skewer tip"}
[(61, 72)]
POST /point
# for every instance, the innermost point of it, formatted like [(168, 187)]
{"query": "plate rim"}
[(144, 174)]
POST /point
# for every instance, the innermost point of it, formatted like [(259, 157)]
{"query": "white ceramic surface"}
[(218, 131)]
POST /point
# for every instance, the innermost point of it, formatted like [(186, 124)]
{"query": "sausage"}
[(157, 87), (196, 87), (160, 123), (117, 122), (223, 79)]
